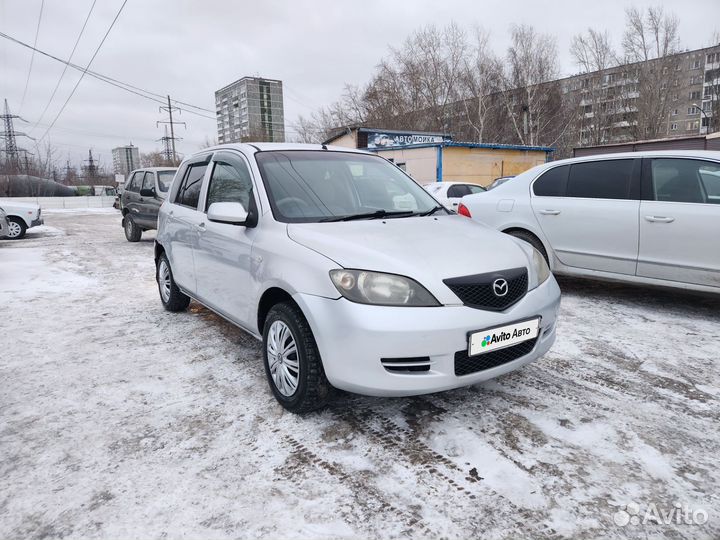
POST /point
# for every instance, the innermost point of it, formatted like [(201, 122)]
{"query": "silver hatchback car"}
[(351, 273)]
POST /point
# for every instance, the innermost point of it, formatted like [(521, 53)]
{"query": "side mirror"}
[(227, 212), (147, 192)]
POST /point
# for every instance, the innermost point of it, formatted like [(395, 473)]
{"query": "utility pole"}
[(169, 109), (90, 168), (11, 150), (168, 144)]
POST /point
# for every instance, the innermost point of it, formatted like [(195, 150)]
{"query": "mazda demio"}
[(350, 273)]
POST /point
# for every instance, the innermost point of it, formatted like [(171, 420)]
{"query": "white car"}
[(450, 193), (20, 217), (644, 217), (314, 250)]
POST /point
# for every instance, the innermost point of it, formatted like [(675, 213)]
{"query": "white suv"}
[(351, 274), (645, 217)]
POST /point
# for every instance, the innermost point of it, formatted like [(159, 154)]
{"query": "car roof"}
[(155, 169), (712, 154), (253, 147)]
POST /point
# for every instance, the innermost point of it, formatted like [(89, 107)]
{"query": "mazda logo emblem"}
[(500, 287)]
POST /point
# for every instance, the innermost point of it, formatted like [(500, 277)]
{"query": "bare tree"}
[(479, 82), (599, 104), (157, 159), (531, 63), (650, 40)]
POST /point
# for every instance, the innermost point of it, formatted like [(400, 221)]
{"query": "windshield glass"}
[(312, 186), (165, 179)]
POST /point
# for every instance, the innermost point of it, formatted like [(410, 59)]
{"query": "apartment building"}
[(250, 109), (125, 159), (676, 96)]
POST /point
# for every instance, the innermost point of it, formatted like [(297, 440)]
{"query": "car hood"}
[(427, 249)]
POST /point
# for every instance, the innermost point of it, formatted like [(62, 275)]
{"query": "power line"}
[(84, 71), (82, 30), (32, 57), (159, 98)]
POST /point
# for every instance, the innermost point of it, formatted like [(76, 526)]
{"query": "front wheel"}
[(172, 298), (16, 228), (292, 361), (132, 231)]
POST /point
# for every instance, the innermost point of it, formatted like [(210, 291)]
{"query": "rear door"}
[(680, 221), (589, 213), (131, 195), (223, 254), (183, 224)]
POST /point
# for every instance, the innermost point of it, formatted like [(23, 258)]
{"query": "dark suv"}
[(144, 192)]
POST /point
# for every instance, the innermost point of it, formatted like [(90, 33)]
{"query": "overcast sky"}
[(189, 49)]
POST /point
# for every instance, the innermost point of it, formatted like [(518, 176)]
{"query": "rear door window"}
[(476, 189), (607, 179), (189, 192), (685, 180), (552, 183)]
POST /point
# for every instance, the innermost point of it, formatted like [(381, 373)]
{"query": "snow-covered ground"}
[(120, 420)]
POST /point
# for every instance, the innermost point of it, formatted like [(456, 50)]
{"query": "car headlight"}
[(540, 267), (365, 287)]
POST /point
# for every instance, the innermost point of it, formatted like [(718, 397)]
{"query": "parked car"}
[(141, 199), (20, 217), (450, 193), (499, 181), (643, 217), (351, 274), (4, 225)]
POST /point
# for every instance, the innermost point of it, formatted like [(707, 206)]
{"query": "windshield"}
[(165, 179), (311, 186)]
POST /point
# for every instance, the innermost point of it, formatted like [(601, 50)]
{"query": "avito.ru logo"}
[(504, 336)]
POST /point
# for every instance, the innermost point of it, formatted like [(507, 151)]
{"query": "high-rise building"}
[(250, 109), (125, 159)]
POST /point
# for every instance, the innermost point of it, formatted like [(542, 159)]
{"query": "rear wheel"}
[(132, 231), (172, 298), (16, 228), (292, 361), (531, 239)]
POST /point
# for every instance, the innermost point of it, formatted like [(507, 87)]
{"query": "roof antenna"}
[(324, 147)]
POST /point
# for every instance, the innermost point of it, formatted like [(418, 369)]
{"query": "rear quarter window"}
[(552, 183)]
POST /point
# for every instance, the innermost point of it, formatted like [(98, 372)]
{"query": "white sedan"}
[(450, 193), (642, 217), (20, 217)]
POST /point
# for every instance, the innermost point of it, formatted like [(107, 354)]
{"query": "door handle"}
[(659, 219), (549, 212), (200, 227)]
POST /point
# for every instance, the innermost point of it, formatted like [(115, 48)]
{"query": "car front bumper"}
[(353, 338)]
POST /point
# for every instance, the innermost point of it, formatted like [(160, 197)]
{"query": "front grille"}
[(465, 364), (406, 365), (477, 291)]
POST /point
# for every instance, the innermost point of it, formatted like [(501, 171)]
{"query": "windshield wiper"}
[(431, 211), (378, 214)]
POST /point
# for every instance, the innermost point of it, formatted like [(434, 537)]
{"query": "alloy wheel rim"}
[(128, 226), (164, 281), (13, 229), (283, 358)]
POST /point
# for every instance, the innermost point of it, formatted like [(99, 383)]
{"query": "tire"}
[(533, 240), (133, 233), (312, 389), (16, 229), (172, 298)]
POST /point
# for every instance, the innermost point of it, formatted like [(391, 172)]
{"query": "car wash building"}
[(435, 157)]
